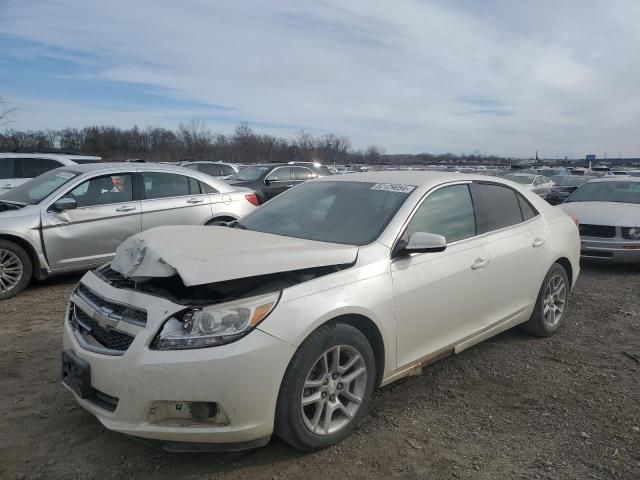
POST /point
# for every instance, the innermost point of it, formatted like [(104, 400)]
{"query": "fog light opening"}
[(203, 411)]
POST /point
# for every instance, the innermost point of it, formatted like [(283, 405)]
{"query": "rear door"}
[(518, 243), (108, 213), (172, 199)]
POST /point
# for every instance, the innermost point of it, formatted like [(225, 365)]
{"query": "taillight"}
[(252, 199), (575, 220)]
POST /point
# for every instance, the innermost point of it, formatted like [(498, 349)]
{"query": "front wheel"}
[(551, 305), (15, 269), (327, 388)]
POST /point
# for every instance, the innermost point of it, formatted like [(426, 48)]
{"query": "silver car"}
[(538, 184), (608, 210), (74, 217)]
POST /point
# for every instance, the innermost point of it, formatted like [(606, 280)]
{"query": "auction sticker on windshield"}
[(393, 187)]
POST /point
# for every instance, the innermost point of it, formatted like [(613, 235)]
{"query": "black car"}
[(272, 179), (565, 185)]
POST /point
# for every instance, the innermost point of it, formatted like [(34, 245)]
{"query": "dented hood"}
[(207, 254)]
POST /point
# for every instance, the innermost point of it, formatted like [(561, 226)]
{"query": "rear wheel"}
[(15, 269), (551, 304), (327, 388)]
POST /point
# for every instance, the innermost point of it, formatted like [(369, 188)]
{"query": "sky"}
[(501, 77)]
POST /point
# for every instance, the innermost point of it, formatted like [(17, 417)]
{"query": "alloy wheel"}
[(554, 300), (11, 270), (333, 390)]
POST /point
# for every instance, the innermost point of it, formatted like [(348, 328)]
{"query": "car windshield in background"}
[(524, 179), (568, 180), (39, 188), (249, 174), (353, 213), (623, 192)]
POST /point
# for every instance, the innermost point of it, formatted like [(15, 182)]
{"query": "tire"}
[(15, 269), (295, 422), (556, 305)]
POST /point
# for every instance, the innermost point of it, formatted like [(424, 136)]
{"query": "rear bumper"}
[(610, 250)]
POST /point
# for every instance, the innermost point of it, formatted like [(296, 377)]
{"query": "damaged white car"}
[(286, 322)]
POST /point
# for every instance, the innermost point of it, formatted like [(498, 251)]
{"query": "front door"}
[(88, 235), (440, 298), (277, 182)]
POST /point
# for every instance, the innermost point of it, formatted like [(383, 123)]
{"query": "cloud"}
[(443, 75)]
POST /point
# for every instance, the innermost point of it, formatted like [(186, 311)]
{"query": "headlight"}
[(214, 325), (632, 233)]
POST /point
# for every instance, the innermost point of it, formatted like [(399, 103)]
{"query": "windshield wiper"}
[(14, 204)]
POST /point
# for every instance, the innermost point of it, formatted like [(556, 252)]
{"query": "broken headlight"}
[(214, 325)]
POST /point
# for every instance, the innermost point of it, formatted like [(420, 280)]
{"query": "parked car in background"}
[(286, 323), (73, 218), (17, 168), (215, 169), (320, 169), (538, 184), (270, 180), (609, 212), (564, 185)]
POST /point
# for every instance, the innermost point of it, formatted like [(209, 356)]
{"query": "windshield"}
[(568, 180), (624, 192), (353, 213), (249, 174), (39, 188), (524, 179)]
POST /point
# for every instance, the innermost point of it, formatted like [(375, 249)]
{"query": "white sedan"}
[(217, 337)]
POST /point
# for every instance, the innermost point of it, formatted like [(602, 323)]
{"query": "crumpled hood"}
[(604, 213), (208, 254)]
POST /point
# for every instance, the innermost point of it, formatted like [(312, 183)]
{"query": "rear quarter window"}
[(495, 206)]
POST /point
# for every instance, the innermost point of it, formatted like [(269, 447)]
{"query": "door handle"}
[(126, 208), (195, 200), (538, 242), (479, 263)]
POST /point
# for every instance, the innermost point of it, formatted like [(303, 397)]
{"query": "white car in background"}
[(538, 184), (17, 168), (286, 322)]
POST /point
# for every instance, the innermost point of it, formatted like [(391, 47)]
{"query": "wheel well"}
[(566, 264), (370, 330), (223, 218), (30, 251)]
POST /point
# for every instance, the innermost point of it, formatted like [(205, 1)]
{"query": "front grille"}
[(129, 314), (115, 279), (108, 338), (602, 231)]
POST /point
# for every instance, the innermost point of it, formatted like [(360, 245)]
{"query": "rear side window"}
[(34, 167), (301, 173), (528, 212), (496, 207), (6, 168), (227, 170), (164, 185), (447, 212), (209, 169)]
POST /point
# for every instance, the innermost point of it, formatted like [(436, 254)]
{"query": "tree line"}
[(192, 140)]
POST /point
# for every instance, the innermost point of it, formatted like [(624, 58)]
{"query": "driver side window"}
[(448, 212), (282, 174), (103, 190)]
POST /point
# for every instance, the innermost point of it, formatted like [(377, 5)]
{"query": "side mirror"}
[(422, 242), (268, 181), (64, 203)]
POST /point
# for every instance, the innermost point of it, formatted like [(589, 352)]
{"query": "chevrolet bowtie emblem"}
[(104, 319)]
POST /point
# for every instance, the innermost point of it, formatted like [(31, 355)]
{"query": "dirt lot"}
[(567, 407)]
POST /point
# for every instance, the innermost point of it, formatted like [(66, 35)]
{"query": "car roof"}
[(615, 179), (408, 177), (50, 156)]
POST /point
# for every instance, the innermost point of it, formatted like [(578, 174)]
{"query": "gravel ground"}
[(514, 407)]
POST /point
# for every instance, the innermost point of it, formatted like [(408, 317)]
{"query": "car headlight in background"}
[(632, 233), (214, 325)]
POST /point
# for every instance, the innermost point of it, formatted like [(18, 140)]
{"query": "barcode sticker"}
[(393, 187)]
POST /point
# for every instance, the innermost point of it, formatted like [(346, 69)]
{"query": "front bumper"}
[(611, 250), (243, 378)]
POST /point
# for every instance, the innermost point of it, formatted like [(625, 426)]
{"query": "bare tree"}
[(6, 113)]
